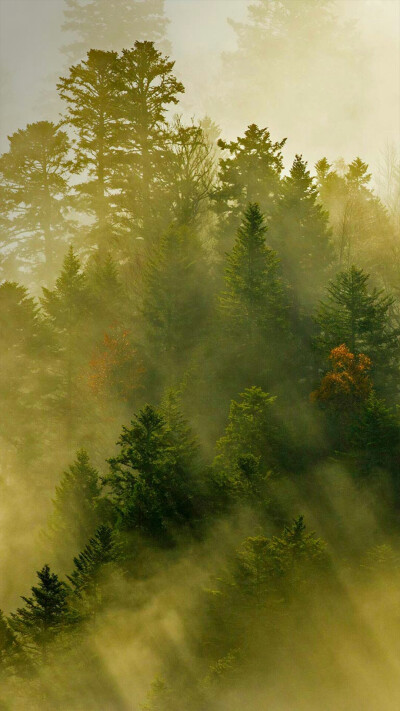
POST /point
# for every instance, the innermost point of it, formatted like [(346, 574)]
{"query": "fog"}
[(200, 353)]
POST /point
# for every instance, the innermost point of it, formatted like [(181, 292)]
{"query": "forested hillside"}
[(200, 433)]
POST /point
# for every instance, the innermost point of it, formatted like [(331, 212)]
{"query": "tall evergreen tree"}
[(99, 556), (45, 614), (175, 304), (76, 506), (113, 24), (91, 91), (353, 315), (300, 234), (149, 89), (253, 303), (68, 308), (249, 172), (33, 176), (153, 480)]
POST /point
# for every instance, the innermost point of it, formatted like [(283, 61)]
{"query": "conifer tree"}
[(98, 557), (113, 24), (253, 303), (300, 234), (358, 317), (175, 304), (250, 173), (76, 505), (153, 480), (91, 92), (149, 90), (68, 308), (33, 177), (13, 659), (46, 613)]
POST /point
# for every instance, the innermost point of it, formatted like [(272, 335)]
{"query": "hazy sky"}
[(30, 37)]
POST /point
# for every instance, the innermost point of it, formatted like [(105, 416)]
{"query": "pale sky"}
[(30, 61)]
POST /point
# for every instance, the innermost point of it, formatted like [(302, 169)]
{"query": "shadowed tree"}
[(91, 92), (113, 24), (33, 177)]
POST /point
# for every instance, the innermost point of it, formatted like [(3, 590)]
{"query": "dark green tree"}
[(91, 92), (175, 299), (301, 236), (254, 303), (45, 615), (68, 309), (360, 318), (76, 506), (112, 24), (33, 175), (153, 480), (92, 566)]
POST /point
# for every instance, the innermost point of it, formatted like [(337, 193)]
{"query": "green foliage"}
[(300, 234), (359, 318), (153, 480), (46, 613), (33, 179), (76, 505), (93, 566)]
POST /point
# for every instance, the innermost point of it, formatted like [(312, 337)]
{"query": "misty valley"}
[(200, 387)]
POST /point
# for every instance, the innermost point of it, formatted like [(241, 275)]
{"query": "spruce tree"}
[(33, 176), (76, 505), (92, 91), (46, 613), (253, 303), (301, 236), (154, 479), (175, 301), (98, 557), (359, 317), (149, 91), (113, 24), (249, 172)]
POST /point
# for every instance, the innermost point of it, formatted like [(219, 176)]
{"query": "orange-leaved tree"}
[(115, 369), (348, 383)]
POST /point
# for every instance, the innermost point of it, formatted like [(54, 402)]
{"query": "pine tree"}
[(33, 176), (353, 315), (113, 24), (149, 90), (91, 92), (25, 385), (254, 303), (153, 480), (68, 308), (13, 659), (76, 505), (175, 305), (300, 234), (97, 559), (46, 613), (251, 173)]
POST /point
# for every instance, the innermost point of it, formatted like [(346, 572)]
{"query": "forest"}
[(200, 391)]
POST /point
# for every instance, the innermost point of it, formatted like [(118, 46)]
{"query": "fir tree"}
[(46, 613), (300, 234), (91, 92), (149, 90), (253, 303), (33, 176), (353, 315), (153, 479), (97, 559), (250, 173), (76, 505)]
